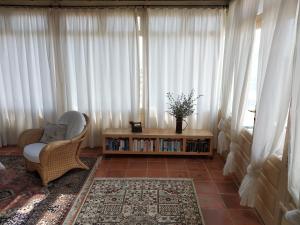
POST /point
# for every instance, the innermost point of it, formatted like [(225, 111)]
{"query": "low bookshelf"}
[(157, 142)]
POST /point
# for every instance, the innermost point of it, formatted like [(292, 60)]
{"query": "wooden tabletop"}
[(157, 132)]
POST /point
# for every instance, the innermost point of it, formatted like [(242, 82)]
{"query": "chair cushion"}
[(54, 132), (32, 152), (75, 122)]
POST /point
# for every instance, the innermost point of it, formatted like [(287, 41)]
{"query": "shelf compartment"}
[(117, 144), (170, 145), (198, 145), (143, 144)]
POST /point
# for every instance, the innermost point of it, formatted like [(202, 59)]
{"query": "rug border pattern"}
[(80, 199)]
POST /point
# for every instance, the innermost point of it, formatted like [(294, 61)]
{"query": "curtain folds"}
[(294, 134), (53, 60), (223, 141), (103, 61), (101, 71), (272, 110), (245, 14), (185, 52), (27, 85), (226, 87)]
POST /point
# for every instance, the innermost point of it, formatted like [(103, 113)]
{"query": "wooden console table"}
[(157, 142)]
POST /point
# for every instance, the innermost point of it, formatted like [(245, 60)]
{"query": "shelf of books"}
[(157, 142)]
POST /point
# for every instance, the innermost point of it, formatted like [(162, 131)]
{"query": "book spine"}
[(151, 146)]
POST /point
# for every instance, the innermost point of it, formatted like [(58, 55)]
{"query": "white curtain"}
[(226, 87), (100, 66), (60, 59), (245, 14), (27, 85), (268, 22), (274, 100), (294, 134), (185, 52)]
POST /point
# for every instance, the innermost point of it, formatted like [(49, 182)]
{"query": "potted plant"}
[(181, 106)]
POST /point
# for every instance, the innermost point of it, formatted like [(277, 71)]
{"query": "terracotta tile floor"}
[(217, 195)]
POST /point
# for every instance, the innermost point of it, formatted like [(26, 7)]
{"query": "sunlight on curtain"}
[(294, 135), (54, 60), (185, 52), (274, 100), (100, 66), (226, 85), (245, 14), (27, 87)]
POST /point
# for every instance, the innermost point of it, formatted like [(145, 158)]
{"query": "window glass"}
[(252, 83)]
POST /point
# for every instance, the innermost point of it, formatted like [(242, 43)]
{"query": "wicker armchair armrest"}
[(54, 149), (29, 137)]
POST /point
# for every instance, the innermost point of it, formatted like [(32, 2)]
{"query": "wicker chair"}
[(57, 157)]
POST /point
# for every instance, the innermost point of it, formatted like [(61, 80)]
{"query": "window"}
[(249, 115)]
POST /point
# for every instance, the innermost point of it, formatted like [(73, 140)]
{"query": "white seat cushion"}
[(32, 152), (75, 122)]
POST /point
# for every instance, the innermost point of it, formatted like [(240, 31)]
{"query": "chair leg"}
[(28, 166), (81, 165), (45, 183), (44, 177)]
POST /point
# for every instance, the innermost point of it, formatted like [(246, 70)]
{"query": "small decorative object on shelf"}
[(136, 127), (182, 106)]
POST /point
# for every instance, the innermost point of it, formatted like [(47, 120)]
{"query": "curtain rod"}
[(112, 7), (112, 3)]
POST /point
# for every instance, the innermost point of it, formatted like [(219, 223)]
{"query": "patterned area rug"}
[(23, 199), (140, 202)]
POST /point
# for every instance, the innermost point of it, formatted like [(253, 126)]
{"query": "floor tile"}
[(115, 173), (214, 165), (244, 217), (139, 159), (216, 217), (100, 173), (156, 159), (206, 187), (200, 175), (176, 166), (157, 165), (137, 165), (217, 175), (232, 201), (104, 165), (177, 174), (227, 188), (211, 201), (135, 173), (157, 173), (195, 166), (175, 160), (115, 165)]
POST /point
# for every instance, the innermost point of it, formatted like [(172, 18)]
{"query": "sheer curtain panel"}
[(54, 60), (185, 52), (294, 135), (271, 115), (245, 14), (100, 67), (226, 87), (27, 83)]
